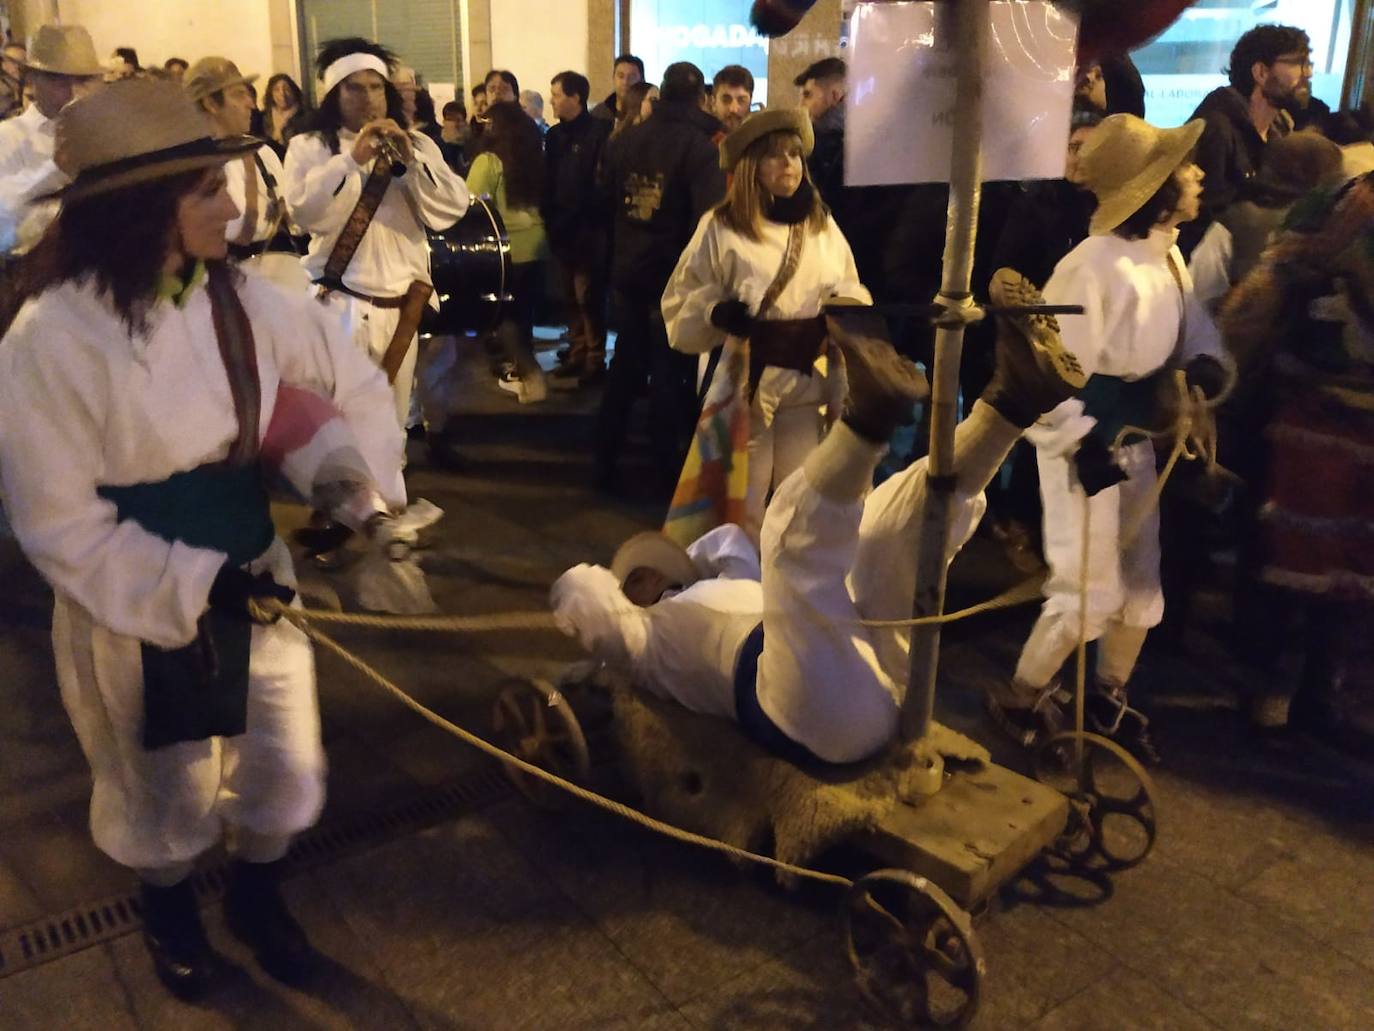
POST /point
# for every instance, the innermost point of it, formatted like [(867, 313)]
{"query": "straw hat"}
[(1127, 160), (779, 119), (63, 50), (658, 552), (132, 132), (211, 74)]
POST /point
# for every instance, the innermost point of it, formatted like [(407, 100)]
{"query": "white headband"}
[(350, 63)]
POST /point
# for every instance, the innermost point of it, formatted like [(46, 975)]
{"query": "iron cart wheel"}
[(913, 950), (1113, 820), (533, 721)]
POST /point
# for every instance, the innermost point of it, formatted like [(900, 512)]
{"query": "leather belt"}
[(785, 344), (377, 302)]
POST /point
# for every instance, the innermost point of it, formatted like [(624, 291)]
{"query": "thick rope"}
[(302, 620)]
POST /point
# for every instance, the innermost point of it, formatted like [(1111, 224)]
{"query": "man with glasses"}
[(1271, 82)]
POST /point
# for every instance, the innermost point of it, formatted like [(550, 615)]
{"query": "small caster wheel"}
[(534, 722), (913, 950), (1113, 820)]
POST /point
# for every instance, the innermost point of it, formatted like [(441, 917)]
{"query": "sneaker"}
[(1034, 371)]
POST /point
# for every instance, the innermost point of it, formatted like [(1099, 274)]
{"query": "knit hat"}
[(1298, 163), (63, 50), (1127, 160), (654, 550), (755, 127), (209, 75), (132, 132)]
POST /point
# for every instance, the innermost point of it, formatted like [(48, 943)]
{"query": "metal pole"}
[(972, 26)]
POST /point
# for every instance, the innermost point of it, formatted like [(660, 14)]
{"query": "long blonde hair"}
[(746, 200)]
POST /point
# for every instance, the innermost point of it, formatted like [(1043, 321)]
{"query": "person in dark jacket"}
[(822, 87), (1270, 72), (627, 71), (662, 176), (575, 219)]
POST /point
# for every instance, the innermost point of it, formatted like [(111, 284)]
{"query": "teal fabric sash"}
[(201, 690), (1115, 402)]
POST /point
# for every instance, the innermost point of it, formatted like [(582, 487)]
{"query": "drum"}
[(470, 265)]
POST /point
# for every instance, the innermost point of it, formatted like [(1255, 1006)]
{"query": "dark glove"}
[(234, 588), (733, 317), (1097, 469), (1206, 372)]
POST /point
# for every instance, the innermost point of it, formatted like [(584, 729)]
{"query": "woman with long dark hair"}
[(283, 111), (771, 229), (147, 387), (510, 170)]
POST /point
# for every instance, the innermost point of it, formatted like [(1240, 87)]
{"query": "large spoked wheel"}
[(1113, 814), (913, 950), (534, 722)]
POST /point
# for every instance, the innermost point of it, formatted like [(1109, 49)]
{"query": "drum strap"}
[(358, 221)]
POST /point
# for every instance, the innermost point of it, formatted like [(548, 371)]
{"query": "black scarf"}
[(790, 211)]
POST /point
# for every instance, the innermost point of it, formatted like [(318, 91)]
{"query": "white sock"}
[(981, 444), (841, 468)]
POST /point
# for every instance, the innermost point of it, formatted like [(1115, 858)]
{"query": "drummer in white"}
[(368, 247)]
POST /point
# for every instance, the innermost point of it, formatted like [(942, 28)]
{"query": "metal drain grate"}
[(53, 937)]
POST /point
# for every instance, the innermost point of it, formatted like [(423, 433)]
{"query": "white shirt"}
[(84, 403), (237, 183), (321, 189), (26, 171), (1132, 313), (685, 646), (721, 265)]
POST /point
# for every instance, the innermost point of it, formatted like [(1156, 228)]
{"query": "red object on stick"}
[(1117, 26)]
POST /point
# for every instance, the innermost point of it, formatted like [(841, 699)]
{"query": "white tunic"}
[(1130, 326), (26, 171), (721, 265), (84, 404), (237, 184), (321, 189)]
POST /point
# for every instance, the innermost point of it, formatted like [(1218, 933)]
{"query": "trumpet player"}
[(366, 190)]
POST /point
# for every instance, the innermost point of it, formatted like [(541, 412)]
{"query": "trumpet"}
[(386, 147)]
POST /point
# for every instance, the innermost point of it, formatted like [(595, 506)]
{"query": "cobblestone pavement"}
[(1256, 910)]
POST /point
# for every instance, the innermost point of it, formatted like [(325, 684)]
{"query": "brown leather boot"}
[(884, 387), (1034, 371)]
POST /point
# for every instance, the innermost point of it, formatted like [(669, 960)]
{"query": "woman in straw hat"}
[(758, 270), (1140, 316), (147, 388)]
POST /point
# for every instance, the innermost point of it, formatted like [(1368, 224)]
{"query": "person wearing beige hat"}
[(366, 190), (60, 64), (134, 473), (1140, 317), (261, 233), (755, 276)]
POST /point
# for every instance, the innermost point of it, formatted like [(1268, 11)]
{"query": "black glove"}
[(1097, 469), (1206, 372), (733, 317), (234, 588)]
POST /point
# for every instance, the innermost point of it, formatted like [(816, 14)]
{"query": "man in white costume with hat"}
[(148, 392), (773, 638), (365, 190), (1140, 318), (260, 234), (59, 65)]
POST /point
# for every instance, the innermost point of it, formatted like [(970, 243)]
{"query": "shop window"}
[(709, 33)]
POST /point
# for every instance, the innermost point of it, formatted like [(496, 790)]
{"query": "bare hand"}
[(368, 144)]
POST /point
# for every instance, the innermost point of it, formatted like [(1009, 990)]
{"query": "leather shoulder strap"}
[(791, 258), (238, 351)]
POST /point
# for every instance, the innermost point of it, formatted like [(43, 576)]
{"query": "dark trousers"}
[(643, 357), (583, 275), (516, 329)]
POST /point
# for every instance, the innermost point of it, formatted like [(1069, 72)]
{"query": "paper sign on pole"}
[(899, 122)]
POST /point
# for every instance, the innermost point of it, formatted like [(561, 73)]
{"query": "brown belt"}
[(377, 302), (785, 344)]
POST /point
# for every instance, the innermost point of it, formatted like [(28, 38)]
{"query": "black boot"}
[(1110, 714), (884, 387), (172, 930), (1033, 372), (258, 917)]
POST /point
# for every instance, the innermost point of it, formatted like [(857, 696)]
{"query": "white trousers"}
[(1124, 596), (371, 329), (156, 809), (785, 425), (828, 682)]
